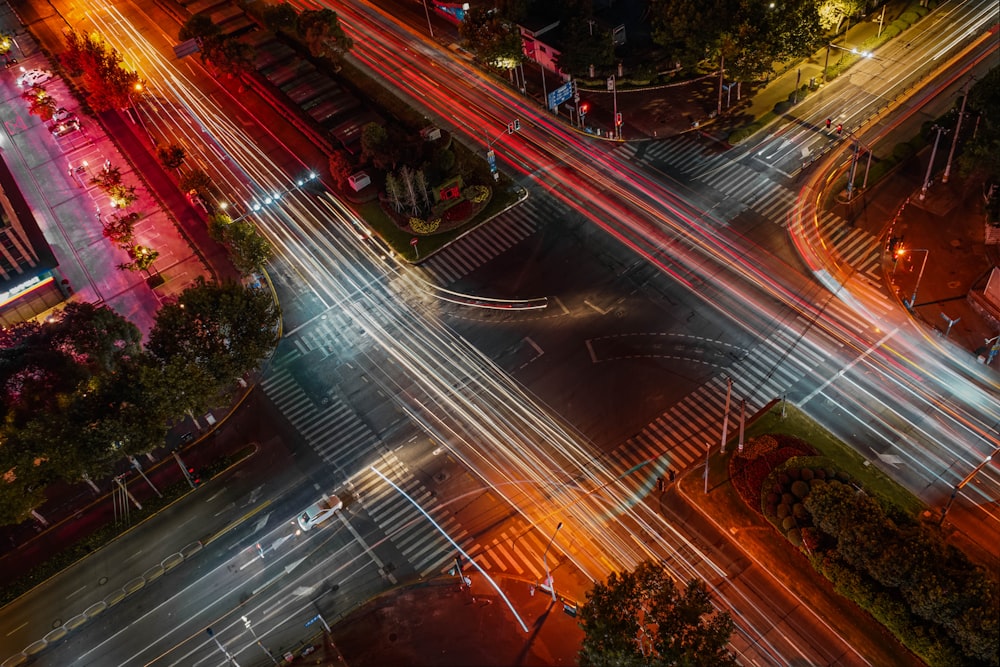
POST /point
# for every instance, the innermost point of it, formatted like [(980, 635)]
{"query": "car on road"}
[(33, 77), (319, 512), (196, 200)]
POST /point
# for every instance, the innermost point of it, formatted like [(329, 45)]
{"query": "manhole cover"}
[(57, 623), (954, 284), (102, 581)]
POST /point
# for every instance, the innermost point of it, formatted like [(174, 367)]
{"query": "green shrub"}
[(787, 499), (816, 483), (901, 26), (891, 32), (800, 489), (783, 511), (909, 17), (807, 474), (800, 512), (795, 537), (919, 10), (788, 523)]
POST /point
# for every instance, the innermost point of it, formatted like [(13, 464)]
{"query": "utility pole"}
[(930, 165), (725, 414), (954, 140), (722, 74)]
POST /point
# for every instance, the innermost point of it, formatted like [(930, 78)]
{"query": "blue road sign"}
[(560, 94)]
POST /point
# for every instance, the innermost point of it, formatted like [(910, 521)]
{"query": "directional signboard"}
[(560, 94)]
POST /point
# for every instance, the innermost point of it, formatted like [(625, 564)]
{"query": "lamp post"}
[(923, 265), (427, 12), (246, 622), (930, 165), (545, 562), (491, 156), (954, 140), (257, 207), (968, 478), (229, 657)]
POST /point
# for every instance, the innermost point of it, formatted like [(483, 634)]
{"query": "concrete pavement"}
[(440, 622)]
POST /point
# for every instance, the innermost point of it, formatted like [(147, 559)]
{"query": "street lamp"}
[(545, 562), (229, 656), (246, 622), (968, 478), (930, 165), (256, 207), (923, 265)]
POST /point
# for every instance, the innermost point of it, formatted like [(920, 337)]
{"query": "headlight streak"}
[(513, 429)]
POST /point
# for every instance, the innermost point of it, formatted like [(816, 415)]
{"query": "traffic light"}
[(618, 118), (584, 108), (840, 128), (517, 124), (510, 128), (829, 121), (195, 477)]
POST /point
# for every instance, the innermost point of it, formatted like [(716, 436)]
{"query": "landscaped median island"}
[(867, 536)]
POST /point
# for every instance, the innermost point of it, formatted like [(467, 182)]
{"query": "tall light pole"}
[(246, 622), (954, 140), (930, 165), (923, 265), (545, 562), (427, 12), (968, 478), (229, 657)]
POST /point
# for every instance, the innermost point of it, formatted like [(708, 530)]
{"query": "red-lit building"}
[(28, 285)]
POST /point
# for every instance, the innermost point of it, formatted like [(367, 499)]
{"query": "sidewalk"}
[(439, 623)]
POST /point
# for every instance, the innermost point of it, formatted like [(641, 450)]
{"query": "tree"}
[(340, 167), (280, 18), (195, 179), (641, 618), (982, 152), (376, 146), (495, 40), (225, 329), (320, 31), (41, 104), (249, 250), (171, 156), (229, 55), (108, 84), (832, 13), (199, 26), (688, 28), (586, 44)]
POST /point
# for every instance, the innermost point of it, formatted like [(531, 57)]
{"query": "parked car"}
[(33, 77), (197, 200), (62, 115), (65, 127)]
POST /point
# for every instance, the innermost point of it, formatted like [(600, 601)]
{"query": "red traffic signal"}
[(829, 121), (195, 477), (618, 118), (840, 128), (584, 108)]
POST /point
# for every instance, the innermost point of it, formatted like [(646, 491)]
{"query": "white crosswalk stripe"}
[(677, 439), (490, 240), (421, 543), (333, 430)]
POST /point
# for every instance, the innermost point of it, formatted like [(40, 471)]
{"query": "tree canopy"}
[(495, 39), (78, 393), (108, 84), (642, 618)]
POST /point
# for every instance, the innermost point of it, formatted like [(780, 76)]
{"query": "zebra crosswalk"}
[(759, 193), (417, 524), (488, 241), (331, 427), (678, 438)]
